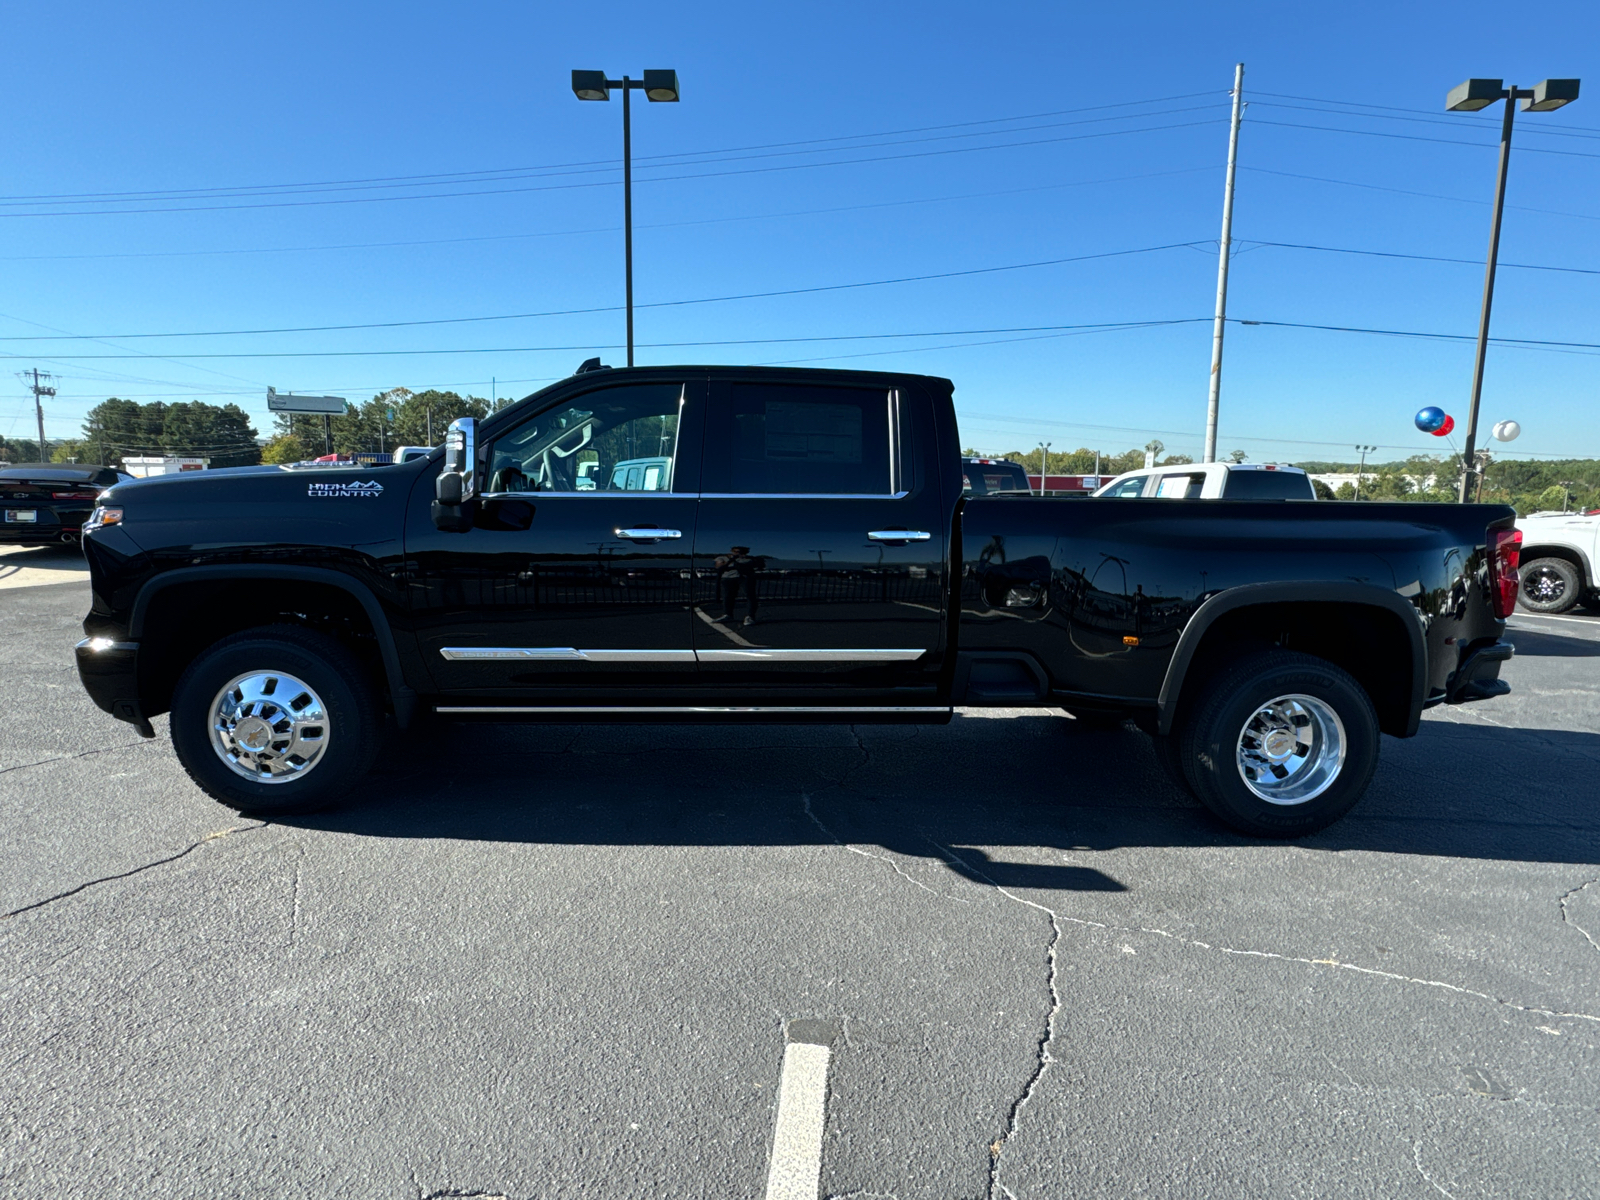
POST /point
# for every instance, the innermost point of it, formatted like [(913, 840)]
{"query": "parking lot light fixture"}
[(1471, 96), (658, 86)]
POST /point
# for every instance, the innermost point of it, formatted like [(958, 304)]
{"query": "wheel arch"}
[(1356, 614), (146, 619), (1571, 554)]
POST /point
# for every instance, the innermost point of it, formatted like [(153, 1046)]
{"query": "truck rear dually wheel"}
[(276, 720), (1280, 744)]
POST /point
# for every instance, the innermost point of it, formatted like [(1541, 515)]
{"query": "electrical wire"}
[(1375, 187), (504, 237), (1473, 262), (848, 337), (177, 193), (845, 162), (568, 312), (1413, 137)]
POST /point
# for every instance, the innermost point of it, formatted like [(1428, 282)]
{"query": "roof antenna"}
[(591, 364)]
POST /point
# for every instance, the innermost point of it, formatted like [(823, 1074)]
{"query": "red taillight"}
[(74, 495), (1505, 553)]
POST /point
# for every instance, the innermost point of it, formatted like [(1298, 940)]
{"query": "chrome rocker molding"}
[(665, 710), (752, 655), (561, 654)]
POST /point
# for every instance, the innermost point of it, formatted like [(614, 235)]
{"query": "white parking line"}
[(796, 1170), (1589, 621)]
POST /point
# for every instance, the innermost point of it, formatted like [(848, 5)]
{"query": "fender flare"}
[(401, 696), (1342, 591), (1563, 550)]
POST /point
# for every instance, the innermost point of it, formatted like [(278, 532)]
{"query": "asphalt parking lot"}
[(565, 962)]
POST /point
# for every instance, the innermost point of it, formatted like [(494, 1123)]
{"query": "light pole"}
[(1225, 251), (1471, 96), (1361, 470), (658, 86), (1044, 465)]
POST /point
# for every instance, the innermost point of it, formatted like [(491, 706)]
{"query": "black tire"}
[(1549, 585), (1214, 742), (1170, 755), (351, 732)]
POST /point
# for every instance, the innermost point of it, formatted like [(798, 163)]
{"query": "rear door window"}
[(1184, 486), (1131, 487), (787, 440), (1268, 485)]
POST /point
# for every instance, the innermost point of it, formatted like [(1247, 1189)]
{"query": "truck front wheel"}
[(276, 720), (1281, 744)]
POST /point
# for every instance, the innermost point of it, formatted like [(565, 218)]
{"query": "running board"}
[(796, 714)]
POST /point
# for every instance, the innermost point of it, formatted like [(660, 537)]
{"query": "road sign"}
[(288, 403)]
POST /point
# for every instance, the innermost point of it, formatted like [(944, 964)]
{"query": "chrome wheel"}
[(269, 727), (1291, 749)]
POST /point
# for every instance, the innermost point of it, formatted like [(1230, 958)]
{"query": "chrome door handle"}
[(899, 535), (649, 534)]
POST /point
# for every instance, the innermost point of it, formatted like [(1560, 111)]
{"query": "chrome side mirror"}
[(455, 491)]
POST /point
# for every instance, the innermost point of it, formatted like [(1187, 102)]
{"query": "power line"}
[(1414, 137), (1438, 122), (1472, 262), (848, 337), (177, 193), (1375, 187), (1387, 108), (845, 162), (654, 161), (1525, 343), (504, 237), (569, 312)]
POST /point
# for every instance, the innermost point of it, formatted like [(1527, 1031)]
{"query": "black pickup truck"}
[(752, 544)]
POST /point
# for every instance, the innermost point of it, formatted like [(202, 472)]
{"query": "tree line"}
[(223, 434)]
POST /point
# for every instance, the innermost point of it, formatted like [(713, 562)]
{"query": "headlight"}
[(101, 517)]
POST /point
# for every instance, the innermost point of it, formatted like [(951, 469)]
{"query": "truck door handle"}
[(899, 535), (648, 534)]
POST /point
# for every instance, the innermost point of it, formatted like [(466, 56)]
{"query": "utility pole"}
[(39, 390), (1361, 470), (1222, 268)]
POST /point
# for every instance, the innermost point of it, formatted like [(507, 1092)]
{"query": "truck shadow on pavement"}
[(1552, 645), (1035, 781)]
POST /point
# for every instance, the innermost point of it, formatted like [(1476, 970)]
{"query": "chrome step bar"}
[(753, 654), (679, 710)]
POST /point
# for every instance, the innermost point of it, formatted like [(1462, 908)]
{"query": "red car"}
[(43, 504)]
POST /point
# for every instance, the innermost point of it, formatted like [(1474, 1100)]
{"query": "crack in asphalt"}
[(44, 762), (1416, 1157), (1333, 963), (1566, 917), (1043, 1058), (805, 803), (139, 870)]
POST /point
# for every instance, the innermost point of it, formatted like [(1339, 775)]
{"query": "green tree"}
[(285, 448), (1237, 456)]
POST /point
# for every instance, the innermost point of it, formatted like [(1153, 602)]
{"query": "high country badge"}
[(354, 488)]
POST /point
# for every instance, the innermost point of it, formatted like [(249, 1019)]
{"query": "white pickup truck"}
[(1213, 481), (1559, 551)]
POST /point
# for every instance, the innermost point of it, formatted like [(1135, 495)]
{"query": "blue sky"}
[(403, 163)]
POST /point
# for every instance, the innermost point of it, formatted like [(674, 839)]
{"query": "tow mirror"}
[(456, 489)]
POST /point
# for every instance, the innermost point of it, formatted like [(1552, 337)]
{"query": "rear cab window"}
[(1268, 485)]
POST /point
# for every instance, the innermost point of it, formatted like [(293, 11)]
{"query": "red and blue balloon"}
[(1435, 420)]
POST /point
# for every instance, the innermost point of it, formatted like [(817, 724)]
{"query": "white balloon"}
[(1506, 431)]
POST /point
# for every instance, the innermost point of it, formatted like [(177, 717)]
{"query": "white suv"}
[(1213, 481), (1558, 561)]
